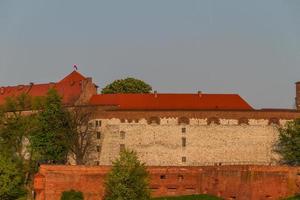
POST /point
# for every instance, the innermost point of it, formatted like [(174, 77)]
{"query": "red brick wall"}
[(229, 182)]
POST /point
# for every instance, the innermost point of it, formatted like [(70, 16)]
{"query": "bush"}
[(72, 195), (128, 179)]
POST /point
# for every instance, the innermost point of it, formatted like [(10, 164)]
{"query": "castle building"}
[(172, 129)]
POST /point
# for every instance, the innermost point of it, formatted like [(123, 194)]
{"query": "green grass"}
[(190, 197)]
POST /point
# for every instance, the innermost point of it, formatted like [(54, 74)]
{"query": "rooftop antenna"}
[(75, 67)]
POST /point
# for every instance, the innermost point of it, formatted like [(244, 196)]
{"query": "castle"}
[(172, 129)]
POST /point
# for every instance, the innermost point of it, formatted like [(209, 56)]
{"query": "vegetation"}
[(50, 140), (289, 143), (128, 85), (11, 178), (189, 197), (81, 137), (72, 195), (297, 197), (128, 179)]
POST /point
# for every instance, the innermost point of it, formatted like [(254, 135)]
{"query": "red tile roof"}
[(172, 101), (69, 88)]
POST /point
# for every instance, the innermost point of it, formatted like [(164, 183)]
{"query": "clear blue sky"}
[(250, 47)]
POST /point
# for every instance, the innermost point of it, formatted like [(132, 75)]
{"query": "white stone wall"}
[(161, 145)]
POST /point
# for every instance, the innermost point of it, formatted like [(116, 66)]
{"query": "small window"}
[(274, 121), (98, 148), (98, 135), (122, 147), (122, 135), (183, 130), (122, 120), (183, 159), (98, 123), (183, 120), (163, 176), (183, 142), (180, 177), (97, 163)]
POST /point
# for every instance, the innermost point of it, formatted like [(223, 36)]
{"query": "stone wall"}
[(229, 182), (168, 142)]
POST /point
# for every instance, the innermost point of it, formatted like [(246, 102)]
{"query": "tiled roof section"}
[(69, 88), (172, 101)]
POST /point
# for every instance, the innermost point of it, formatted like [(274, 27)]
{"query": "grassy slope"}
[(191, 197)]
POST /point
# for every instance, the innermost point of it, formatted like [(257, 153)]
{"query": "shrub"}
[(72, 195)]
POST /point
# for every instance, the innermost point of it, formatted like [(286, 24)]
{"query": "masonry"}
[(229, 182), (191, 138)]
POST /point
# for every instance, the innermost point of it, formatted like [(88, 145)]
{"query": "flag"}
[(75, 67)]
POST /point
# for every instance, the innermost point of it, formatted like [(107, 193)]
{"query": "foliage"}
[(81, 137), (128, 85), (189, 197), (128, 179), (11, 178), (50, 141), (297, 197), (288, 144), (72, 195)]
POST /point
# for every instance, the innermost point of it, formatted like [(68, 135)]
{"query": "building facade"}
[(172, 129)]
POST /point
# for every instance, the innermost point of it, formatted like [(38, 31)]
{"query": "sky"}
[(251, 48)]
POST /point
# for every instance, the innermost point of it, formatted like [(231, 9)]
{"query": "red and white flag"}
[(75, 67)]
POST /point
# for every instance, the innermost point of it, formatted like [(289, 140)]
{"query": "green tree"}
[(128, 179), (11, 178), (288, 145), (72, 195), (128, 85), (50, 141)]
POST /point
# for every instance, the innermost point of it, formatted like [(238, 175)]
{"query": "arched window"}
[(183, 120), (213, 120), (153, 120), (274, 121), (243, 121)]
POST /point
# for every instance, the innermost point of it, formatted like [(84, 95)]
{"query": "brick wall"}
[(229, 182)]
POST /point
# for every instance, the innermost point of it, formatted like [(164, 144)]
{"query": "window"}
[(98, 123), (122, 147), (180, 177), (98, 148), (153, 120), (98, 135), (183, 130), (163, 176), (183, 142), (122, 135), (97, 163), (183, 159)]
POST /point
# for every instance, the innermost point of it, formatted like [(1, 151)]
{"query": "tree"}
[(72, 195), (288, 145), (128, 85), (82, 134), (11, 178), (128, 179), (50, 142)]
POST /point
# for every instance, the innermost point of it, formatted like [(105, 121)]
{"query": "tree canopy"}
[(128, 85), (288, 145), (128, 179), (50, 140)]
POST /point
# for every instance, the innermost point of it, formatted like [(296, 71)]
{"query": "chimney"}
[(297, 99), (155, 93), (199, 93)]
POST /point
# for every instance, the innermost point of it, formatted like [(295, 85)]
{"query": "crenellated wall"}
[(173, 141), (228, 182)]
